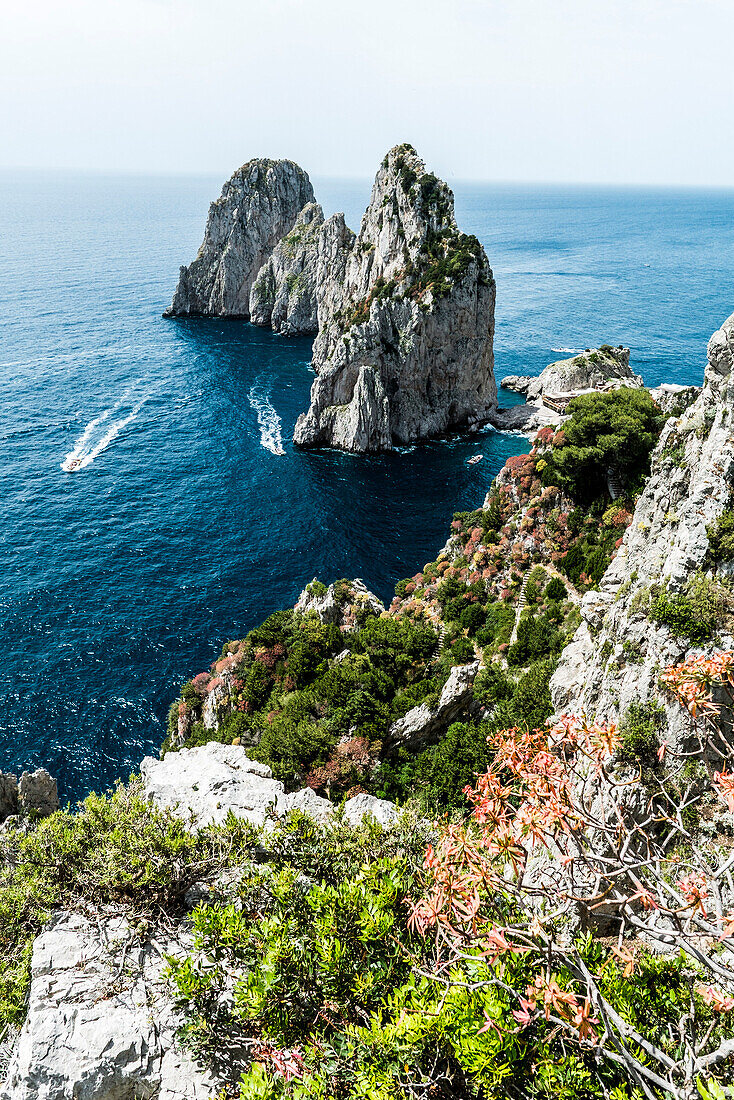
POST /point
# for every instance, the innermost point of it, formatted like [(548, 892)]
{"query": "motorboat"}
[(473, 461)]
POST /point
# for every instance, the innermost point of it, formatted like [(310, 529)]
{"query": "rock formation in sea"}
[(258, 206), (624, 640), (285, 292), (405, 343), (592, 369)]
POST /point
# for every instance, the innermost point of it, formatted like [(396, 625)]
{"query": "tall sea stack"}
[(258, 206), (405, 343)]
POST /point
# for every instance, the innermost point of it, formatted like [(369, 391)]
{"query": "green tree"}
[(606, 432)]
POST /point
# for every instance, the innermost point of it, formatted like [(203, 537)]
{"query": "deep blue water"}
[(180, 528)]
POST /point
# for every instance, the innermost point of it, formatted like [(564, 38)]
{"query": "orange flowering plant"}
[(561, 843)]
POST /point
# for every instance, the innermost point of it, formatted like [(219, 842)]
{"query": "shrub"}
[(721, 537), (114, 850), (695, 615), (555, 589)]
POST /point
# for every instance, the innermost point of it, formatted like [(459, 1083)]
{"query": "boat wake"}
[(568, 351), (97, 436), (269, 422)]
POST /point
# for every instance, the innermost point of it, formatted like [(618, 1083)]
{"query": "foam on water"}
[(271, 435), (90, 443)]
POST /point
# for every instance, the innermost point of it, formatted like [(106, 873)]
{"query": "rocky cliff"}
[(258, 206), (286, 290), (661, 597), (405, 341)]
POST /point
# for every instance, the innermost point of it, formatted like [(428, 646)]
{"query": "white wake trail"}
[(269, 422), (89, 444)]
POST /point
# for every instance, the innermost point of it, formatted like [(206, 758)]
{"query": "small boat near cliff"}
[(473, 461)]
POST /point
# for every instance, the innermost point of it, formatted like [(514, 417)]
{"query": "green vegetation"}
[(721, 537), (640, 730), (605, 432), (115, 850), (317, 951), (697, 614)]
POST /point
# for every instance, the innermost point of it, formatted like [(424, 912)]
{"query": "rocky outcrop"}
[(423, 722), (35, 795), (205, 784), (202, 785), (618, 651), (100, 1023), (285, 292), (595, 369), (365, 806), (344, 603), (405, 341), (258, 206)]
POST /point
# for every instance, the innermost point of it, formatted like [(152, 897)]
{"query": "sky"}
[(588, 91)]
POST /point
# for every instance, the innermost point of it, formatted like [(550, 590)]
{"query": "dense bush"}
[(698, 613)]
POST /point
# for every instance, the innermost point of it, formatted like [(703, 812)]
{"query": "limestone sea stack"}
[(258, 206), (405, 343), (285, 292)]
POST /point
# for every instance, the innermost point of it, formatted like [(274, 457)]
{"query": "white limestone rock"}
[(285, 292), (422, 722), (305, 801), (202, 785), (100, 1023), (405, 343), (588, 370), (617, 653), (365, 806), (258, 206), (341, 604), (38, 794)]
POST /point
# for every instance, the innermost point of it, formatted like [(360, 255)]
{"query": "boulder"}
[(305, 801), (365, 806), (258, 206), (406, 322), (38, 794), (100, 1023)]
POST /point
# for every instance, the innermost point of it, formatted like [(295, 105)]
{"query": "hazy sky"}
[(630, 91)]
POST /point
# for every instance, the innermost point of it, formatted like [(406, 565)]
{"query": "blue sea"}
[(180, 527)]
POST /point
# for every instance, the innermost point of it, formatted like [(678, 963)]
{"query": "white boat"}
[(74, 464), (473, 461)]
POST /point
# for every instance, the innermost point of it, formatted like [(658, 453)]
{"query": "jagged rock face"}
[(589, 370), (405, 341), (35, 795), (422, 722), (100, 1023), (342, 604), (618, 652), (258, 206), (285, 293)]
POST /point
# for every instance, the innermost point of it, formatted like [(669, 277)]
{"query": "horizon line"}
[(367, 179)]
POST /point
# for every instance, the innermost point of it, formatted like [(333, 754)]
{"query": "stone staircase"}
[(521, 605)]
